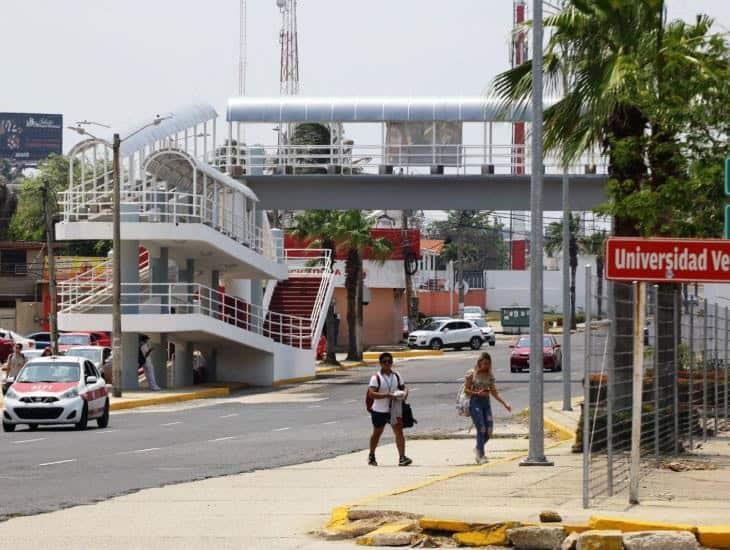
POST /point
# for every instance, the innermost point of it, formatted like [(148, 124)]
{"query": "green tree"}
[(473, 236), (319, 226), (554, 243), (310, 134), (28, 222), (353, 235)]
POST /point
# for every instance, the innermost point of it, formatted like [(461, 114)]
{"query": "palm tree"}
[(353, 235), (319, 227), (594, 245), (554, 243)]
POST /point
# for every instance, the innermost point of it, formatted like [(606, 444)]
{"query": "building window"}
[(13, 262)]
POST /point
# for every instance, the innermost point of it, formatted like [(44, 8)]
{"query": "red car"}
[(85, 338), (520, 357)]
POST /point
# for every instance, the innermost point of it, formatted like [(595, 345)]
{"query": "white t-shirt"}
[(388, 384)]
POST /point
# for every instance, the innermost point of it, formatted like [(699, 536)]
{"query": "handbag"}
[(408, 419)]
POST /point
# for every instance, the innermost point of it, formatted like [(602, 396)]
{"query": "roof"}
[(433, 246), (373, 109)]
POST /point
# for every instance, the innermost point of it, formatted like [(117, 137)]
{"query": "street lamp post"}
[(116, 145), (536, 455)]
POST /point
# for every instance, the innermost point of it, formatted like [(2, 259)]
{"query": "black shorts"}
[(380, 419)]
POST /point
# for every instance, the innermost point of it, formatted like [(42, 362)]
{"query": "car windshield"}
[(433, 325), (472, 309), (524, 342), (73, 339), (49, 372), (480, 322), (93, 355)]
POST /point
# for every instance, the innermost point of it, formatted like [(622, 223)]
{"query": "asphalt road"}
[(53, 468)]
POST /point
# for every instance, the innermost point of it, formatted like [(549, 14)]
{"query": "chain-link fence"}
[(660, 349)]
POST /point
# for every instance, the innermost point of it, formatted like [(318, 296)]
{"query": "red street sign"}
[(668, 260)]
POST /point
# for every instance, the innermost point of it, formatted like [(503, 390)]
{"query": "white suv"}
[(451, 333)]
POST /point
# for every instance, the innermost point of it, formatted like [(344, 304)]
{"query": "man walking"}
[(145, 349), (16, 361), (388, 392)]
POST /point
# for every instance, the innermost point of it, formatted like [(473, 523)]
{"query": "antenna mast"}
[(289, 41), (242, 52)]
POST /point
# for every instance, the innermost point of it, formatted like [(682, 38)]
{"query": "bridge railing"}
[(351, 159)]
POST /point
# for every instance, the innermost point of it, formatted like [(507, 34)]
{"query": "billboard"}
[(30, 137), (423, 143)]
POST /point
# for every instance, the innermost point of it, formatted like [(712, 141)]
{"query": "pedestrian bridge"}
[(432, 153)]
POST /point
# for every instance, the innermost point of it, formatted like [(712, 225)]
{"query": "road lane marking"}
[(139, 451), (330, 422), (171, 424), (314, 406), (30, 440), (105, 431), (413, 389), (221, 438), (282, 429), (228, 415), (58, 462), (350, 401)]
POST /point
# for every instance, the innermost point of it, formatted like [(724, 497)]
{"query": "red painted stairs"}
[(294, 296)]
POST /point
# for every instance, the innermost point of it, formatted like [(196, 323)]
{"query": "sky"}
[(119, 62)]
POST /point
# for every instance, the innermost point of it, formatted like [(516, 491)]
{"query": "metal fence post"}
[(637, 387), (725, 364), (587, 391), (690, 377), (611, 387), (706, 312), (715, 366), (655, 365), (677, 315)]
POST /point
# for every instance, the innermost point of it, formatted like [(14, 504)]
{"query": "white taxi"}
[(56, 390)]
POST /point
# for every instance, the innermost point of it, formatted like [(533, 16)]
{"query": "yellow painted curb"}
[(494, 534), (630, 526), (573, 528), (563, 433), (338, 518), (374, 355), (397, 527), (449, 525), (288, 381), (716, 536), (165, 399)]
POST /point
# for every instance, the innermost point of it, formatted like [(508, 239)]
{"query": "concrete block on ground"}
[(659, 540), (570, 542), (495, 534), (550, 516), (399, 533), (537, 538), (716, 536), (609, 539)]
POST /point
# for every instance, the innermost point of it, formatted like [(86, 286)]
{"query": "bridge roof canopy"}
[(372, 109)]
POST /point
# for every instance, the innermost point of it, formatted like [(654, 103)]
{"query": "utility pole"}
[(52, 296), (411, 300), (116, 272), (536, 456)]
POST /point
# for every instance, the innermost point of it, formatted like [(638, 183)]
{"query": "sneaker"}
[(483, 460), (405, 461), (477, 456), (371, 460)]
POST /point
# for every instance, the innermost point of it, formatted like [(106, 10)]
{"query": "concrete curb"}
[(165, 399), (373, 355)]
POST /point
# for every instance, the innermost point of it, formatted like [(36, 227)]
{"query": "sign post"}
[(727, 193)]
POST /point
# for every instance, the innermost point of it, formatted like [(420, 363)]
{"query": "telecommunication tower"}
[(518, 55), (289, 42), (242, 51)]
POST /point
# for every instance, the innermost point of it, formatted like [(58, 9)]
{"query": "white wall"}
[(512, 288)]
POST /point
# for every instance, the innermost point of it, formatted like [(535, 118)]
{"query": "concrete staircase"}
[(297, 296)]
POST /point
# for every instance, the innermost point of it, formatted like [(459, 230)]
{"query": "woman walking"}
[(479, 384)]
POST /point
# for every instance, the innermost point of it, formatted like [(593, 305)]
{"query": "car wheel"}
[(512, 369), (476, 343), (32, 427), (8, 427), (436, 344), (103, 420), (492, 342), (83, 421)]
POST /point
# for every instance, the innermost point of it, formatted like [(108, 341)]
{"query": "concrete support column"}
[(130, 349), (159, 279), (130, 277), (277, 235), (183, 365), (159, 359)]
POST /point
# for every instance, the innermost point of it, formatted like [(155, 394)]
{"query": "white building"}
[(201, 268)]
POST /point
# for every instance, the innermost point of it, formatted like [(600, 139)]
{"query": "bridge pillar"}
[(183, 364), (129, 258)]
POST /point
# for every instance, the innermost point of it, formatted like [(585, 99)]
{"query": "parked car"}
[(56, 390), (487, 331), (520, 357), (429, 320), (473, 312), (28, 343), (42, 339), (70, 339), (100, 356), (451, 333)]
